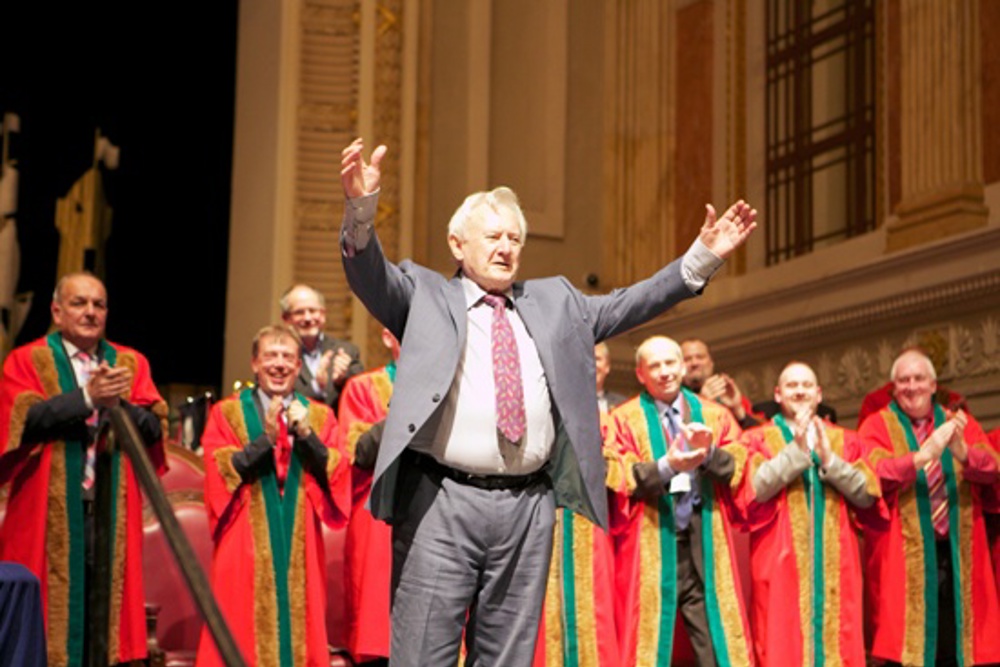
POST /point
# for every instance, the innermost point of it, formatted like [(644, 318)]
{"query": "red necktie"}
[(506, 371), (936, 488), (283, 453)]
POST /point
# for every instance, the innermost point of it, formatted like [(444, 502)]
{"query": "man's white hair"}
[(474, 206), (913, 353)]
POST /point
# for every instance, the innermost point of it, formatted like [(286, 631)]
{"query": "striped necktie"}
[(86, 364)]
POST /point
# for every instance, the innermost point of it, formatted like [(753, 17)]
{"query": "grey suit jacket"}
[(427, 313)]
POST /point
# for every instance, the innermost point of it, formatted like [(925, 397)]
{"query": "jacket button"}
[(436, 398), (411, 428)]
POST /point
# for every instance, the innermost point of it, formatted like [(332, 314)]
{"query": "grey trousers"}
[(467, 558)]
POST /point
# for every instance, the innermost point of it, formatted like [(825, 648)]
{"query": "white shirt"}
[(467, 436)]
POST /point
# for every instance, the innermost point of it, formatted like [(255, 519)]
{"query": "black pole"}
[(130, 442)]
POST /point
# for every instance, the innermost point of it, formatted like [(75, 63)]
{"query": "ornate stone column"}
[(942, 172), (639, 150)]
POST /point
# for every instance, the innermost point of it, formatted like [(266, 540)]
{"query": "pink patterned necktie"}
[(936, 489), (506, 371)]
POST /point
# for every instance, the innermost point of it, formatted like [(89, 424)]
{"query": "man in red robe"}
[(53, 393), (805, 478), (364, 403), (681, 462), (274, 469), (930, 586)]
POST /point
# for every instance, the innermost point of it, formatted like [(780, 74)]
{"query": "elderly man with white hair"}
[(931, 595)]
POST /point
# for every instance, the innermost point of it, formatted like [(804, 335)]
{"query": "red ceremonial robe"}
[(900, 559), (647, 554), (578, 620), (364, 402), (806, 586), (267, 565), (44, 527)]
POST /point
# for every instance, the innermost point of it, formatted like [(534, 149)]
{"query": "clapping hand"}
[(298, 419), (107, 385)]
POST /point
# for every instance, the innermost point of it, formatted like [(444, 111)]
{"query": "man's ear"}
[(455, 244)]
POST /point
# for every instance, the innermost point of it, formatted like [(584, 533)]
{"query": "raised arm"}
[(358, 177), (724, 235)]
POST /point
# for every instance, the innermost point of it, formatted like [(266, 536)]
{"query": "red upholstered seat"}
[(186, 470), (178, 625)]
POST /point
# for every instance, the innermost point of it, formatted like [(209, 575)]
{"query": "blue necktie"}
[(685, 501)]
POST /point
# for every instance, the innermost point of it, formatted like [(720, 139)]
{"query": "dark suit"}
[(331, 393)]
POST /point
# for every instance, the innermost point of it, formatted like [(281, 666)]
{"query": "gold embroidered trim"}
[(224, 462), (57, 557), (651, 603), (614, 477), (317, 417), (583, 566), (45, 365), (914, 609), (265, 606), (162, 410), (725, 592), (118, 562), (834, 510), (872, 486), (128, 360), (965, 537), (801, 523), (383, 386), (739, 454), (354, 433), (18, 415), (297, 581), (232, 410), (553, 599)]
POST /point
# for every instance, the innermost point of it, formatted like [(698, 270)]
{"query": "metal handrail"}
[(120, 432)]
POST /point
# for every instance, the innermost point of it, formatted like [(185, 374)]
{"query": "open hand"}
[(724, 235), (358, 177), (681, 461)]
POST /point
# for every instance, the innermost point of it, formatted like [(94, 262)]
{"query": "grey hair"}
[(498, 199), (69, 276), (285, 303), (920, 355)]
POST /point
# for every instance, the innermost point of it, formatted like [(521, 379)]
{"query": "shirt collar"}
[(265, 400), (72, 350), (676, 406), (474, 293), (317, 349)]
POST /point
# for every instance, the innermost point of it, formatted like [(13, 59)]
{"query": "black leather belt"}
[(431, 466)]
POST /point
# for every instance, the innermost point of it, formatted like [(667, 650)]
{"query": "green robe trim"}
[(668, 538), (280, 509), (930, 539)]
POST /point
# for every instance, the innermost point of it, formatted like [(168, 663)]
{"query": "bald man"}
[(806, 483), (53, 393), (682, 462)]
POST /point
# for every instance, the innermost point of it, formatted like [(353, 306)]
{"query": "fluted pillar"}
[(640, 139), (941, 121)]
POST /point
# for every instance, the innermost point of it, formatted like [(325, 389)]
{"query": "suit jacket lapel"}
[(538, 328), (455, 297)]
